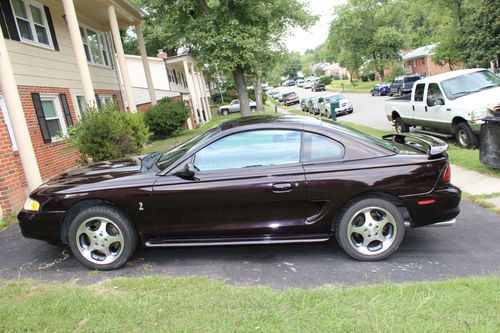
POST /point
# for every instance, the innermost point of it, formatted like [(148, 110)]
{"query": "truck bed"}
[(404, 98)]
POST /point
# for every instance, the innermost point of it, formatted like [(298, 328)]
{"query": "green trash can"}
[(489, 148), (333, 113)]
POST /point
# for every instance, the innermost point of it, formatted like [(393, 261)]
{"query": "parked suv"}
[(290, 98), (318, 86), (402, 85)]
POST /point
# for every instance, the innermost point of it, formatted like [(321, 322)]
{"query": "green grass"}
[(197, 304), (8, 220), (356, 87), (480, 200)]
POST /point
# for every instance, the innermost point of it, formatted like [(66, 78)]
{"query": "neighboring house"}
[(186, 79), (140, 85), (56, 58), (419, 61), (336, 69)]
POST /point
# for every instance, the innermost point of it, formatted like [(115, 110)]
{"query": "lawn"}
[(198, 304), (356, 87)]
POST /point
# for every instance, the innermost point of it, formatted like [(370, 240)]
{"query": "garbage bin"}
[(489, 149)]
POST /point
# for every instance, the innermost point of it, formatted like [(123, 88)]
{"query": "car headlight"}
[(31, 205), (478, 114)]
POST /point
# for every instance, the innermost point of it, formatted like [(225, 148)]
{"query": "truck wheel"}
[(465, 137), (399, 92), (253, 109), (225, 112), (400, 125)]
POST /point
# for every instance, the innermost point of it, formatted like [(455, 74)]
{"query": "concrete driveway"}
[(470, 247), (368, 110)]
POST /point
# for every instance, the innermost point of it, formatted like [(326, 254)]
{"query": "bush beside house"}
[(166, 118)]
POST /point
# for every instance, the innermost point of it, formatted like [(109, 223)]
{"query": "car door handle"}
[(413, 107), (282, 187), (425, 108)]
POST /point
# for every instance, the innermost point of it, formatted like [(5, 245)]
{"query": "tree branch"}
[(203, 6)]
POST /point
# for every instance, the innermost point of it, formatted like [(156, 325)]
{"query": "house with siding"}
[(57, 57)]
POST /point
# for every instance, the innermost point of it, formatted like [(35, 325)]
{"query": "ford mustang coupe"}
[(255, 180)]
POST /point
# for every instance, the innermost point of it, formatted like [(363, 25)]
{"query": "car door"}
[(248, 184), (437, 114), (418, 107), (321, 105), (234, 106)]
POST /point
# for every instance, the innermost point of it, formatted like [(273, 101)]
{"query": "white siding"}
[(138, 77), (38, 66)]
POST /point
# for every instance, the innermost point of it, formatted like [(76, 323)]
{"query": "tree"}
[(385, 47), (233, 35)]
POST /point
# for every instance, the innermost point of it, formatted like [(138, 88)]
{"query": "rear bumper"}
[(41, 225), (439, 205)]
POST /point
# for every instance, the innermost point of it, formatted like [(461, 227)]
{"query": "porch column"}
[(202, 96), (120, 54), (145, 63), (192, 91), (81, 58), (16, 115), (205, 94), (198, 94)]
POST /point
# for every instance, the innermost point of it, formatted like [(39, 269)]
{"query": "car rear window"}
[(412, 78)]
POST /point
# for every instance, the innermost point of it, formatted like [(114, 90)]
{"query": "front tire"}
[(400, 126), (465, 137), (225, 112), (370, 229), (102, 237)]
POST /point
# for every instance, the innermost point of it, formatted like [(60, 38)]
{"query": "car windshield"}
[(469, 83), (168, 158)]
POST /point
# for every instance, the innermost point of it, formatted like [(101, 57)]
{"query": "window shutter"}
[(37, 103), (8, 21), (97, 101), (67, 114), (115, 100), (3, 24), (51, 27)]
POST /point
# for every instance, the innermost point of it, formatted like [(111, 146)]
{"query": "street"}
[(467, 248), (368, 110)]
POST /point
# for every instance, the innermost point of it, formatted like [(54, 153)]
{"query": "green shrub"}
[(166, 118), (326, 80), (108, 134), (228, 95), (251, 95)]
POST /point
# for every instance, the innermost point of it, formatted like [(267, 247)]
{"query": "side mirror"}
[(188, 172), (430, 101)]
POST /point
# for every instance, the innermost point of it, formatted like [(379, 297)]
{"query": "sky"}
[(301, 40)]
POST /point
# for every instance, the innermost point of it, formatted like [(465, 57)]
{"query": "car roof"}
[(450, 75), (268, 119)]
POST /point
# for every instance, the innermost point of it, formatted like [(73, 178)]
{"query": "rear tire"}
[(102, 237), (225, 112), (370, 229), (465, 137), (400, 126)]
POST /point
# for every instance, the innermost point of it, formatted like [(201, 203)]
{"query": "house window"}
[(96, 46), (105, 99), (6, 118), (54, 117), (32, 22)]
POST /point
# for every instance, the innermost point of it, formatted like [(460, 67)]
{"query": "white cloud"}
[(301, 40)]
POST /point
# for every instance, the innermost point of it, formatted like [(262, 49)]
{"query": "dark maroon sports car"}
[(255, 180)]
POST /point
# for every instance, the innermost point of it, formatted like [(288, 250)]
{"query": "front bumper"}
[(343, 110), (444, 206), (41, 225)]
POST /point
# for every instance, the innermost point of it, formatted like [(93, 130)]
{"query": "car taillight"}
[(447, 174)]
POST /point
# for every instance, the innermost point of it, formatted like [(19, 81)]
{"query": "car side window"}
[(435, 91), (317, 148), (250, 149), (419, 92)]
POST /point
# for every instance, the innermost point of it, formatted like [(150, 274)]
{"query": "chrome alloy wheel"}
[(99, 240), (372, 230), (463, 138)]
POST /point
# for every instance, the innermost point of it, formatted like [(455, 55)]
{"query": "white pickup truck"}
[(452, 103)]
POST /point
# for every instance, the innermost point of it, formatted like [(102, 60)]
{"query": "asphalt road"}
[(470, 247), (368, 110)]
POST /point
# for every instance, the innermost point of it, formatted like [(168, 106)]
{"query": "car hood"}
[(480, 99), (106, 174)]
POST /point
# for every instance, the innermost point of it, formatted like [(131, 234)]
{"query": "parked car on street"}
[(448, 104), (229, 186), (307, 85), (288, 83), (290, 99), (303, 103), (312, 105), (318, 86), (380, 89), (341, 105), (403, 84), (234, 107), (300, 83)]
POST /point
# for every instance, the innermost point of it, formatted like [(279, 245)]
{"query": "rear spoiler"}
[(425, 143)]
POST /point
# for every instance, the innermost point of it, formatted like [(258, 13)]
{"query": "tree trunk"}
[(241, 89), (382, 75), (257, 87)]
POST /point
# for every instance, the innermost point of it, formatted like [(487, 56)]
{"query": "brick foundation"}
[(52, 158)]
